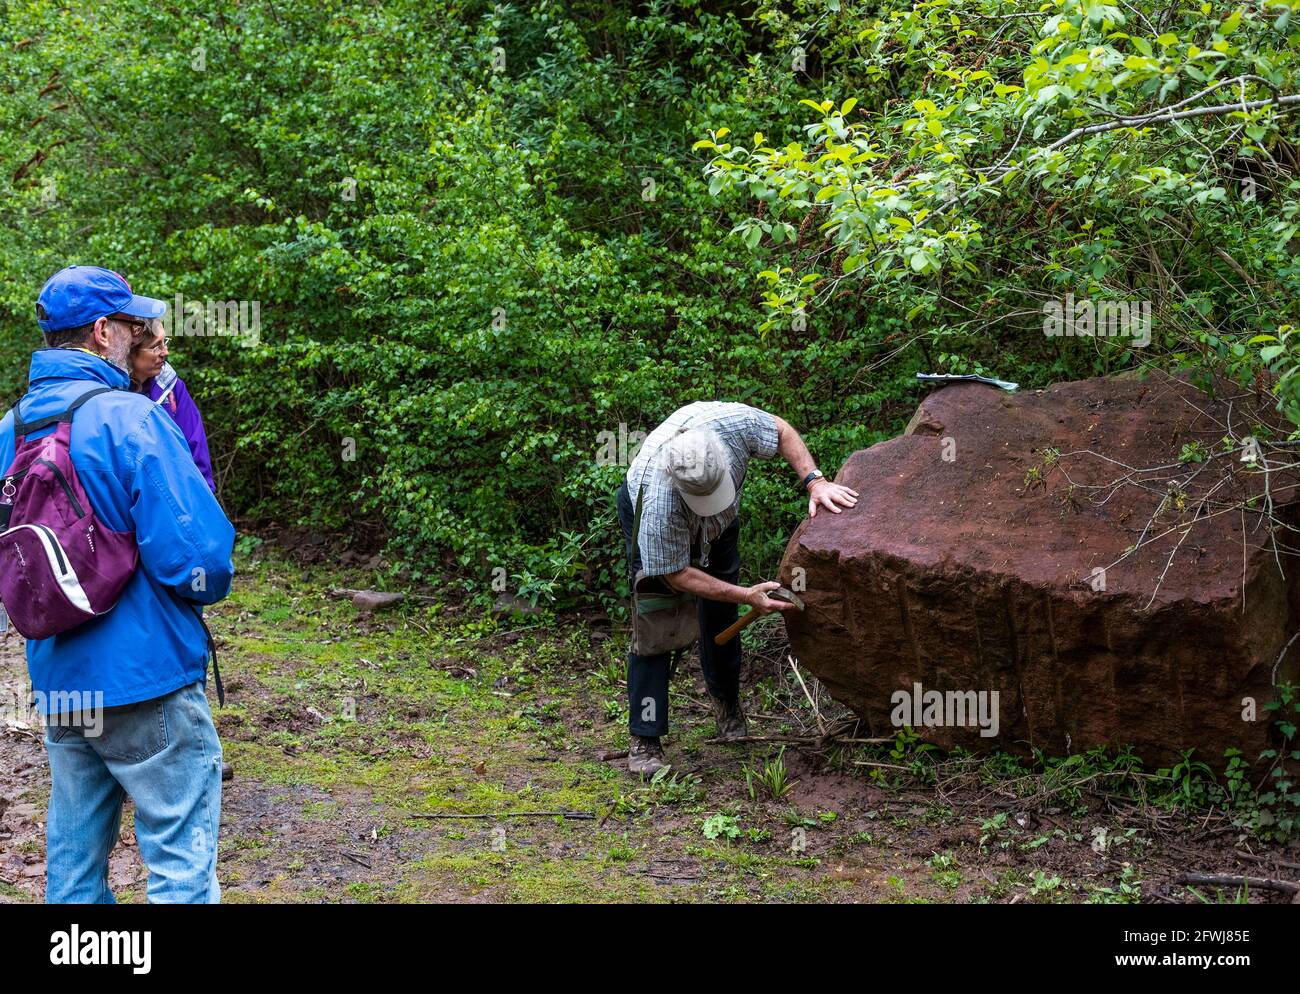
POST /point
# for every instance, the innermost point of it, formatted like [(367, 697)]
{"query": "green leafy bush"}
[(480, 236)]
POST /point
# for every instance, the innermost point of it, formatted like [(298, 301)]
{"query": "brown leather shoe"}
[(731, 719), (645, 755)]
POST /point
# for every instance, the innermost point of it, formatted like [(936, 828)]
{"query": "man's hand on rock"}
[(831, 496), (756, 597)]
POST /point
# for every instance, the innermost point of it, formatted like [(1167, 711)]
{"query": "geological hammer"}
[(779, 594)]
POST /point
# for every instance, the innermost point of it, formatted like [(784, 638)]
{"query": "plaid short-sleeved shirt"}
[(667, 524)]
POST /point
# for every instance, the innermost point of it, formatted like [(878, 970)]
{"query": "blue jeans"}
[(166, 755)]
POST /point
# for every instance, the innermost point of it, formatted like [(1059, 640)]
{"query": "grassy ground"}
[(348, 731)]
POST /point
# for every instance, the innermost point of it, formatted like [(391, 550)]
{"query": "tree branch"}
[(1166, 117)]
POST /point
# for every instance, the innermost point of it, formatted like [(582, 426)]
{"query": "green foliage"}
[(1278, 814), (770, 780), (463, 274), (666, 786), (1190, 781), (1043, 885), (1270, 808), (1127, 891), (909, 753), (721, 826), (480, 236), (964, 165)]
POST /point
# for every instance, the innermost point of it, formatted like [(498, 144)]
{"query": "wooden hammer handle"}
[(722, 638)]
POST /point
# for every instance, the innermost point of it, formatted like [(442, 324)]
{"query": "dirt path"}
[(346, 732)]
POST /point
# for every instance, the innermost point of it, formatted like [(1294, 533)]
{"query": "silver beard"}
[(120, 353)]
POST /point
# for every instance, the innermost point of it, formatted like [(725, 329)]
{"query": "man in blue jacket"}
[(150, 734)]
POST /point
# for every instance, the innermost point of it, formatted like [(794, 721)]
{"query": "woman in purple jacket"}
[(152, 374)]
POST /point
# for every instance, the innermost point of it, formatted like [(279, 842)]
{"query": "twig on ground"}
[(575, 815), (1225, 880), (821, 725), (791, 739), (1271, 862)]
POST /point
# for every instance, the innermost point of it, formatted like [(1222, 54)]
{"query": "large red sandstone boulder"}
[(968, 565)]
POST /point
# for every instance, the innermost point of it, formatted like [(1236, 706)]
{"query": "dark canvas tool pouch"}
[(663, 619)]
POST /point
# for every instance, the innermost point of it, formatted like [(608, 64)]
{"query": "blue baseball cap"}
[(80, 295)]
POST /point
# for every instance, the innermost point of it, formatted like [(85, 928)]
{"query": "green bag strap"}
[(653, 602), (636, 522)]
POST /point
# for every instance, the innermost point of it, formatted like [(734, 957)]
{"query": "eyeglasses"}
[(137, 327), (158, 349)]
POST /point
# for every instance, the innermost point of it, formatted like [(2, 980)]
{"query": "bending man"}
[(688, 475)]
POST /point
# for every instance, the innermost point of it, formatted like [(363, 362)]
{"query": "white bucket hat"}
[(700, 467)]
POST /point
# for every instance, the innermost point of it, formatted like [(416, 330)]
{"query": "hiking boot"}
[(645, 755), (227, 771), (731, 719)]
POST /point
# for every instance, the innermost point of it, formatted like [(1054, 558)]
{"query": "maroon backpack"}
[(59, 565)]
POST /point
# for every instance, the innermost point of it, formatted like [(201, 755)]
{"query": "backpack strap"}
[(166, 395), (212, 643), (24, 428), (212, 651), (166, 382)]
